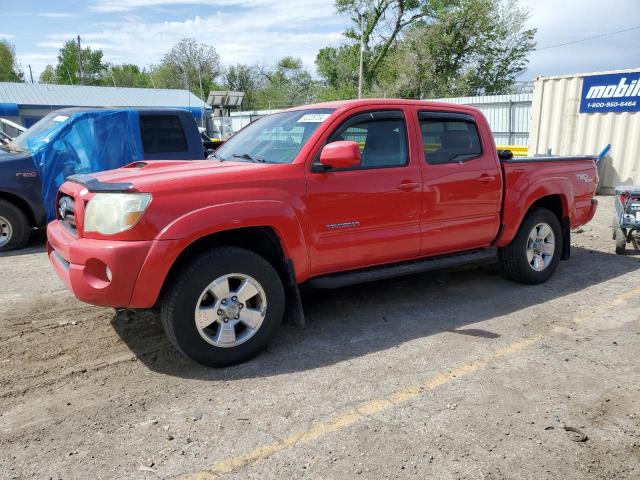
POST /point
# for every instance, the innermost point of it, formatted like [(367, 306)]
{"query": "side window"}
[(382, 138), (162, 134), (449, 138)]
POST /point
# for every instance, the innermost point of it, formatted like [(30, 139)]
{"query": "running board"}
[(337, 280)]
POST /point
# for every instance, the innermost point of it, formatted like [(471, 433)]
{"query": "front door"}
[(369, 214), (462, 180)]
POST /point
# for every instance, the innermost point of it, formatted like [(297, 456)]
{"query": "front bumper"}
[(100, 272)]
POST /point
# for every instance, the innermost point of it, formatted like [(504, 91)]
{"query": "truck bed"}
[(526, 178)]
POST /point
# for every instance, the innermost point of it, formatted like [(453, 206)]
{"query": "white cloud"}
[(56, 15), (264, 33), (108, 6), (250, 31), (569, 20), (58, 44)]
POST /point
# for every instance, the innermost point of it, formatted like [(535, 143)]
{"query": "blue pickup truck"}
[(77, 141)]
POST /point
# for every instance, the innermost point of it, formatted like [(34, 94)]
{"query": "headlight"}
[(110, 213)]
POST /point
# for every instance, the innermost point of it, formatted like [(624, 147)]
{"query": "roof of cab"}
[(384, 102)]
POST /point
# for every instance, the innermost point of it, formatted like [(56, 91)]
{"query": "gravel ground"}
[(448, 375)]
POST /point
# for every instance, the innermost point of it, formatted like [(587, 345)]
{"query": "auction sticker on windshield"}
[(314, 117), (60, 118)]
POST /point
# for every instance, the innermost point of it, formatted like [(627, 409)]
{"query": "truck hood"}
[(16, 163), (6, 156), (142, 175)]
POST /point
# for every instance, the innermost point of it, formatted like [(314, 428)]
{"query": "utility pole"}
[(201, 96), (361, 56), (80, 60), (30, 73)]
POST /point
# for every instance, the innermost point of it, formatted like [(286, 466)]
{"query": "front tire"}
[(533, 255), (15, 229), (224, 307)]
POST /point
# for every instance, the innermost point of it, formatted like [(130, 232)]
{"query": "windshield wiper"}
[(216, 156), (246, 156)]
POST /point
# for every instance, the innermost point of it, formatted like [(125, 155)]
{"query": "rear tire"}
[(15, 229), (224, 307), (534, 253), (621, 241)]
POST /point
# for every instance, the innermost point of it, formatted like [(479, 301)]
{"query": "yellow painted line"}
[(361, 412), (622, 298), (368, 409), (617, 301)]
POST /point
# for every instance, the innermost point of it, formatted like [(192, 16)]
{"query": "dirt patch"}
[(85, 390)]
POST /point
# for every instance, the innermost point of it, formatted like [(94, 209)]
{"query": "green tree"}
[(10, 71), (126, 75), (48, 75), (190, 65), (288, 83), (68, 71), (428, 48), (472, 47), (339, 69), (243, 78), (379, 24)]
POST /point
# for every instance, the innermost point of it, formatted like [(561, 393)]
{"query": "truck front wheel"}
[(534, 253), (15, 229), (223, 307)]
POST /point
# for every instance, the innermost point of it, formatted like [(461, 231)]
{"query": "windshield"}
[(276, 138), (37, 131)]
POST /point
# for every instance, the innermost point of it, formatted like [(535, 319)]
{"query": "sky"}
[(250, 31)]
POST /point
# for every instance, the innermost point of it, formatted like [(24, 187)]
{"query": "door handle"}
[(408, 185), (484, 178)]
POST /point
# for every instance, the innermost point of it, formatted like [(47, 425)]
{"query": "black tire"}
[(15, 227), (513, 257), (179, 302), (621, 241)]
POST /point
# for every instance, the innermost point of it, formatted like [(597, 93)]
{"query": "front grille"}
[(67, 212)]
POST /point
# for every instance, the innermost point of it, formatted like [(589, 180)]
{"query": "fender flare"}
[(274, 214), (230, 216), (176, 237), (520, 203)]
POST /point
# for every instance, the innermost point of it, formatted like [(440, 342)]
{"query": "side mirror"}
[(505, 154), (342, 154)]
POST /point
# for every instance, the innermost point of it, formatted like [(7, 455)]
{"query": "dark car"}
[(79, 141)]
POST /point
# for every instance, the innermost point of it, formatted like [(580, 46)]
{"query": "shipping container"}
[(581, 114)]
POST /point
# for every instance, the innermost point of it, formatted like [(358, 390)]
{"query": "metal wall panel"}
[(558, 125), (508, 115), (43, 95)]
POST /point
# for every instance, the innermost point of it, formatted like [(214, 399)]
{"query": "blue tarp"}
[(84, 142)]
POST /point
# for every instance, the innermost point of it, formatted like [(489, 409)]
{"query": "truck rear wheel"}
[(15, 229), (223, 307), (533, 255)]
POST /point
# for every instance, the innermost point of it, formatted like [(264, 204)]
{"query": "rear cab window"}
[(449, 137), (162, 134)]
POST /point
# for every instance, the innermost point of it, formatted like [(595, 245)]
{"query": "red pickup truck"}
[(327, 195)]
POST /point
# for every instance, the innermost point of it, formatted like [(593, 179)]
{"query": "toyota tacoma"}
[(325, 195)]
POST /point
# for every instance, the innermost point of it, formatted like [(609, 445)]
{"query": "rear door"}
[(369, 214), (462, 183)]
